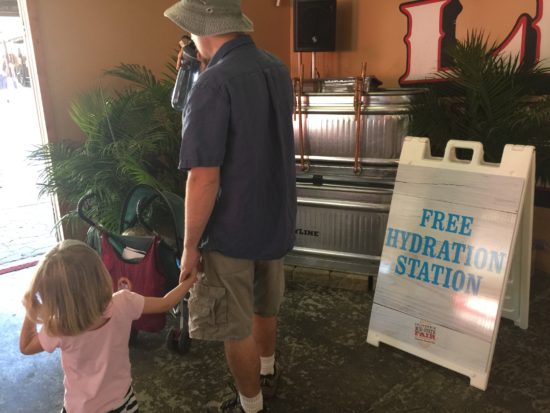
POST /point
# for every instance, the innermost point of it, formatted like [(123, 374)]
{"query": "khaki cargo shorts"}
[(224, 299)]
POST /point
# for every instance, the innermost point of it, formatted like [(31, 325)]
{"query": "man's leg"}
[(221, 308), (264, 331), (244, 362), (269, 285)]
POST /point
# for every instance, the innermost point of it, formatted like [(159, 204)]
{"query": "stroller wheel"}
[(178, 340)]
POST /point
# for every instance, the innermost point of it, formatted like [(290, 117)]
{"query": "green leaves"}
[(139, 75), (132, 137), (486, 97)]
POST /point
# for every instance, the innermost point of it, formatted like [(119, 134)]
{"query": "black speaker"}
[(314, 25)]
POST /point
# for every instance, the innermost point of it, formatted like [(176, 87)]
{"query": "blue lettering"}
[(480, 258), (426, 213), (465, 228), (414, 264), (447, 277), (468, 259), (474, 282), (400, 265), (424, 273), (437, 269), (447, 222), (438, 220), (434, 274), (404, 237), (391, 238), (497, 260), (444, 251), (451, 223), (416, 243), (457, 247), (458, 280), (429, 246)]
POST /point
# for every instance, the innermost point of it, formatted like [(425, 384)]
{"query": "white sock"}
[(252, 404), (267, 365)]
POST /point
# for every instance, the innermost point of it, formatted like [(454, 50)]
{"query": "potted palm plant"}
[(132, 136), (490, 98), (496, 100)]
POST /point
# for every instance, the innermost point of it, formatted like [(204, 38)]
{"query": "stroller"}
[(145, 255)]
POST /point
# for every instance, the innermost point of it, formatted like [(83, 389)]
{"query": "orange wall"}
[(271, 25), (75, 41), (372, 31)]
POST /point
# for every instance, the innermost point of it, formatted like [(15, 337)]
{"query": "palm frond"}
[(486, 97), (137, 74), (132, 137)]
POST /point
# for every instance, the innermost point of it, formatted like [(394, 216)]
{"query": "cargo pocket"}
[(207, 311)]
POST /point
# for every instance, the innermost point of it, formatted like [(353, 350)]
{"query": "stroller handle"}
[(80, 208)]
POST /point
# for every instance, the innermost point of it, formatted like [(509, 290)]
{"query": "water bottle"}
[(187, 75)]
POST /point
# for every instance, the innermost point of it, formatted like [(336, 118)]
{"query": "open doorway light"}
[(26, 221)]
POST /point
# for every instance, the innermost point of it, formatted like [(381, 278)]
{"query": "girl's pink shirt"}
[(97, 363)]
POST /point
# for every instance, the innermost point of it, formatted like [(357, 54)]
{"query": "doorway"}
[(27, 221)]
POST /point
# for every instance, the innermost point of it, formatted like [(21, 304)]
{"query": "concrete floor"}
[(327, 365)]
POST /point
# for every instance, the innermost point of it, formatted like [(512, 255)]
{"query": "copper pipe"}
[(357, 102), (298, 92)]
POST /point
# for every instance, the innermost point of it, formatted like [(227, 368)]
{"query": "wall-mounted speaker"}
[(314, 25)]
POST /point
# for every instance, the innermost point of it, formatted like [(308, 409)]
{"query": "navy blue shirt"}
[(239, 117)]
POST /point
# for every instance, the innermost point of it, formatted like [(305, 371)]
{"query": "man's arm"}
[(202, 188), (28, 339)]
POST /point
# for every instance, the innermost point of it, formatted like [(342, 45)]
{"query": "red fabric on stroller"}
[(142, 277)]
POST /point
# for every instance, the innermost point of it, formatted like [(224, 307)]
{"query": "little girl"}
[(71, 294)]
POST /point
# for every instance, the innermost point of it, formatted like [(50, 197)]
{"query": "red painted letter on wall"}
[(431, 26)]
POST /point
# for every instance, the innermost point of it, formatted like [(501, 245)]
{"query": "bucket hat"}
[(209, 17)]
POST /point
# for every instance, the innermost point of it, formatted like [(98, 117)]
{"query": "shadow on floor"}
[(327, 365)]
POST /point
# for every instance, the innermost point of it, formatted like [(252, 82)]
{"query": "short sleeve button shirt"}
[(239, 117)]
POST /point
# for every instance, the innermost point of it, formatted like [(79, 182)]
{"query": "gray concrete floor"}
[(327, 365)]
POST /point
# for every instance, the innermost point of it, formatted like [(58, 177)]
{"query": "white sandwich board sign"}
[(456, 255)]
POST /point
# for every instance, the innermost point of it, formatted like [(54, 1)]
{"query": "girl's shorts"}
[(130, 404)]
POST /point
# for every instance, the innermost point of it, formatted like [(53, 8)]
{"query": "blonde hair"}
[(70, 289)]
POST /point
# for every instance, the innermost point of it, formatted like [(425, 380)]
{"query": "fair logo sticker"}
[(425, 332)]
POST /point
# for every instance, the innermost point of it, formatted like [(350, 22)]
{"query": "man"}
[(240, 206)]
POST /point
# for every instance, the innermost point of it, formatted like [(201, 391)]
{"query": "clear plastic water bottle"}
[(187, 75)]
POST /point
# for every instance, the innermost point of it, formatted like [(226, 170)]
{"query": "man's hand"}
[(190, 262)]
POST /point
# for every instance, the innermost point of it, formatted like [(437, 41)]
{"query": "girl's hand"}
[(28, 339), (154, 305)]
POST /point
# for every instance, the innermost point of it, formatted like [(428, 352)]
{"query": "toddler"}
[(71, 295)]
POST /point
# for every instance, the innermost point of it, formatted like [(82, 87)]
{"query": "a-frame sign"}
[(456, 255)]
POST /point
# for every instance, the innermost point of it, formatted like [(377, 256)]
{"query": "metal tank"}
[(340, 227), (329, 143), (347, 143)]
